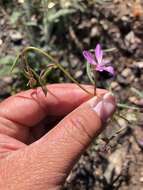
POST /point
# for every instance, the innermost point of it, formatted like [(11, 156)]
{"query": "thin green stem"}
[(95, 77), (15, 62), (127, 106), (54, 61), (45, 73), (58, 65)]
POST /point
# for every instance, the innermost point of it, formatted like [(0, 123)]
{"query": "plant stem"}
[(54, 61), (127, 106), (44, 75), (95, 78)]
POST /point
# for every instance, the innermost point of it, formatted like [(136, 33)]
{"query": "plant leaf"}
[(137, 92), (61, 12), (14, 17), (4, 70), (7, 60)]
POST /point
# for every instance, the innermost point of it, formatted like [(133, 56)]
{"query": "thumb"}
[(50, 159)]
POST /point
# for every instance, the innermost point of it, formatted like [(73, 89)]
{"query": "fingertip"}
[(104, 107)]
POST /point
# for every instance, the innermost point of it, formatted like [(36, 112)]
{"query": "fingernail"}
[(104, 107)]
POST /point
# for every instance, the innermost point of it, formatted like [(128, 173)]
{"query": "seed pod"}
[(32, 82)]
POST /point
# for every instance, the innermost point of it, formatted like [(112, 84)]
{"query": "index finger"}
[(30, 107)]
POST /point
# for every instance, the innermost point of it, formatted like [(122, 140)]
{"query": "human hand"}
[(31, 161)]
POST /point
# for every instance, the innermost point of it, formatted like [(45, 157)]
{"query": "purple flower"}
[(98, 61)]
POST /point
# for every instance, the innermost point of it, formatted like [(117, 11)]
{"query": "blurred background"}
[(65, 28)]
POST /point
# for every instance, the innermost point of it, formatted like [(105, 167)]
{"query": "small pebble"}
[(7, 80), (139, 64), (78, 74), (115, 85), (141, 179), (122, 122), (15, 36), (126, 72), (94, 32), (1, 42)]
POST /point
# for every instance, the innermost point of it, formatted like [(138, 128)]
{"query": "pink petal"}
[(99, 53), (100, 68), (109, 69), (89, 57), (105, 62)]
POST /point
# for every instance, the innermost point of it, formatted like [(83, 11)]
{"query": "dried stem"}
[(54, 61)]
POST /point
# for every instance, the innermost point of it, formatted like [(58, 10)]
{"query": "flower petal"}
[(109, 69), (89, 57), (99, 68), (105, 62), (99, 53)]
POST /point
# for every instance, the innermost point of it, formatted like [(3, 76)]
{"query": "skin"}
[(41, 137)]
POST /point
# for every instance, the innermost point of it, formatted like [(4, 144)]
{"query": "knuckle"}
[(78, 129)]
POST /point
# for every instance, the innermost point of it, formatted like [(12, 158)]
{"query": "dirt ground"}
[(115, 24)]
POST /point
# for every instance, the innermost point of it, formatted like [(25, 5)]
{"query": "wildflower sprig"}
[(95, 64)]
